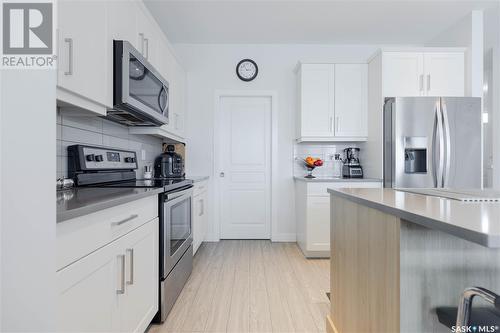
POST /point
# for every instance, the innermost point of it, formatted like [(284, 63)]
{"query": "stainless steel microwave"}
[(140, 93)]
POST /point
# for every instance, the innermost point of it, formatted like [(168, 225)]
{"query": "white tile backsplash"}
[(324, 151), (72, 130)]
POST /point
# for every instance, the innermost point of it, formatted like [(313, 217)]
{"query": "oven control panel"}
[(98, 158)]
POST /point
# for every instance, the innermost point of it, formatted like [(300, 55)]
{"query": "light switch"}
[(143, 155)]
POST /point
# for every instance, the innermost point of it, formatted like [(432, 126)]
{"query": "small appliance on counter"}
[(169, 164), (351, 167)]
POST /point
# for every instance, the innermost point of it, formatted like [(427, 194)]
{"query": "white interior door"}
[(245, 167)]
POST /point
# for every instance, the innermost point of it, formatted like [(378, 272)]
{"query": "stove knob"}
[(129, 160), (99, 158), (90, 157)]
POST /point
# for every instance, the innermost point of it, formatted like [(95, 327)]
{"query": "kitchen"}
[(297, 94)]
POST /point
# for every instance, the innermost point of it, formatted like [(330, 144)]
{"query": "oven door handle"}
[(171, 196)]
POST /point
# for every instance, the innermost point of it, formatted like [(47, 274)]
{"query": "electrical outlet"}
[(143, 155)]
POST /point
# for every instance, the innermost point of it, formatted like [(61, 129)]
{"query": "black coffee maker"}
[(169, 164), (352, 168)]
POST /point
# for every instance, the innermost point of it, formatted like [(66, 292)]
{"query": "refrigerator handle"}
[(441, 146), (433, 157), (438, 143), (446, 124)]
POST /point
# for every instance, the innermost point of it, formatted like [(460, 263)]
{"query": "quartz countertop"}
[(75, 202), (334, 179), (478, 222)]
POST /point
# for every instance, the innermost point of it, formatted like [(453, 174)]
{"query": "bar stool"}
[(465, 315)]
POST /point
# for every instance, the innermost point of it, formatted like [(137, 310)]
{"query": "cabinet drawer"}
[(321, 188), (80, 236)]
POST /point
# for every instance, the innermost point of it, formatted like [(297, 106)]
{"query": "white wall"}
[(468, 32), (28, 205), (212, 67), (492, 49)]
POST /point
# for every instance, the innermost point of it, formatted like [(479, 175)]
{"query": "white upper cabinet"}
[(148, 37), (317, 88), (351, 102), (333, 102), (403, 74), (423, 74), (82, 54), (444, 74)]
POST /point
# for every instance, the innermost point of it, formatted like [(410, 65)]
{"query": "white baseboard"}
[(284, 237)]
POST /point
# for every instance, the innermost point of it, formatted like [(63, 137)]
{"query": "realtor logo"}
[(27, 28), (28, 35)]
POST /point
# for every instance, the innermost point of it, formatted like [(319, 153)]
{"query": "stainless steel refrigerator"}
[(433, 142)]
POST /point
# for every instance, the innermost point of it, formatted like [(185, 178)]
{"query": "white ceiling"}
[(283, 21)]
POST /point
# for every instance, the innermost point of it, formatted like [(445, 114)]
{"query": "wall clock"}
[(247, 70)]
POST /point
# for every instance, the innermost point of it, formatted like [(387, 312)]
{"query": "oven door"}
[(177, 228)]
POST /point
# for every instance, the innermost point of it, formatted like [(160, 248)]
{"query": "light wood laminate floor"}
[(252, 286)]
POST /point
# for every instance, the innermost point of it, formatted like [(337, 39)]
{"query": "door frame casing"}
[(217, 162)]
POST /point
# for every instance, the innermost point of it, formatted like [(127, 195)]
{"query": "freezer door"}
[(415, 141), (463, 142)]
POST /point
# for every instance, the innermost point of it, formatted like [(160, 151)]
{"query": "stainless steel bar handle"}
[(121, 290), (70, 56), (141, 35), (131, 271), (434, 136), (331, 124), (131, 217), (440, 133), (202, 208), (337, 123), (447, 142), (421, 82), (428, 82), (146, 40)]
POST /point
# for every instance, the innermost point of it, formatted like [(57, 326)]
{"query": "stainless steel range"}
[(93, 166)]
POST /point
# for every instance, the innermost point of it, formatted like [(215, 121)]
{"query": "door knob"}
[(222, 175)]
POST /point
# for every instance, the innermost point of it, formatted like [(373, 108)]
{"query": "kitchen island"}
[(396, 256)]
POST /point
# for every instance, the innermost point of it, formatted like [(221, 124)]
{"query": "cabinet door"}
[(444, 74), (82, 49), (148, 38), (180, 101), (140, 303), (87, 293), (317, 100), (318, 223), (402, 74), (122, 25), (197, 222), (200, 220), (351, 100)]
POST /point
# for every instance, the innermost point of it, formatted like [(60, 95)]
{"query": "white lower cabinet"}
[(114, 288), (199, 214), (312, 202)]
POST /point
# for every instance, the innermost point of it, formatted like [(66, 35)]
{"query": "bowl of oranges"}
[(311, 163)]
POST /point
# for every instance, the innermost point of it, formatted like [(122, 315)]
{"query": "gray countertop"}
[(334, 180), (478, 222), (75, 202)]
